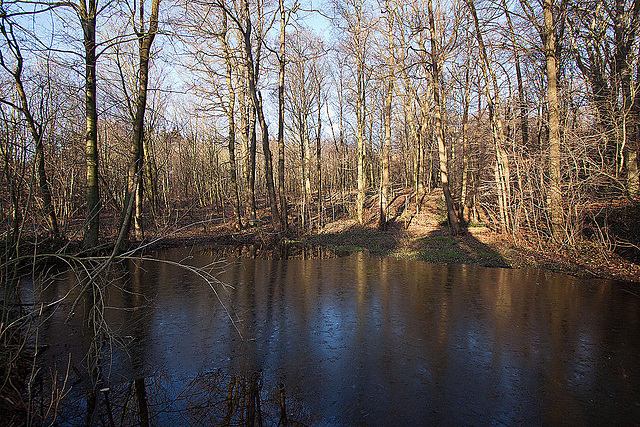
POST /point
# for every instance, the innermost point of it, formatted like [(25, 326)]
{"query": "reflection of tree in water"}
[(91, 395), (209, 398)]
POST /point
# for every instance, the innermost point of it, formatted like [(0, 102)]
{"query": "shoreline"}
[(477, 246), (411, 234)]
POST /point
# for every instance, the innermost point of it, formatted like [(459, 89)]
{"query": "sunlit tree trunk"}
[(232, 124), (555, 173), (360, 149), (151, 173), (439, 127), (501, 168), (306, 172), (136, 165), (465, 201), (247, 135), (352, 13), (251, 159), (318, 155), (385, 178), (281, 70), (418, 159), (256, 97), (87, 13), (232, 154)]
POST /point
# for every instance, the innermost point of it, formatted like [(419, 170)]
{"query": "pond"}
[(358, 340)]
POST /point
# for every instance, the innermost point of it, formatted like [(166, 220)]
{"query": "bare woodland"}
[(278, 115), (122, 120)]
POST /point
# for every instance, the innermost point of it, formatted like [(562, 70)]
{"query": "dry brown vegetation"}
[(409, 235)]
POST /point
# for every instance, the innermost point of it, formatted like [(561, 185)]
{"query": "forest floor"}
[(408, 235)]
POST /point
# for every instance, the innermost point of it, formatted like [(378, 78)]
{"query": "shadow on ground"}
[(441, 247), (436, 245)]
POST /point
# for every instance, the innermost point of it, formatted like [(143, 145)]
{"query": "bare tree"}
[(285, 15), (524, 128), (439, 126), (555, 173), (302, 95), (385, 175), (604, 36), (134, 194), (353, 16), (547, 32), (36, 128), (501, 169), (87, 12), (253, 67)]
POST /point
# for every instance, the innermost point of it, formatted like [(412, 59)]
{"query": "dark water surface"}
[(376, 341)]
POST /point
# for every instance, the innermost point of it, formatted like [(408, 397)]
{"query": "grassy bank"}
[(477, 246)]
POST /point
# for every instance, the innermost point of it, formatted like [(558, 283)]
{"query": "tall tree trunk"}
[(633, 181), (318, 158), (136, 165), (247, 130), (151, 175), (306, 165), (555, 173), (360, 149), (501, 169), (281, 63), (418, 188), (385, 178), (268, 167), (232, 124), (251, 161), (302, 130), (256, 97), (233, 164), (626, 27), (465, 201), (87, 13), (439, 127)]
